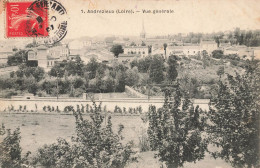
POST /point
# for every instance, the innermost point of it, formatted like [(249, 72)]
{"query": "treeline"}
[(74, 77), (67, 77), (241, 37)]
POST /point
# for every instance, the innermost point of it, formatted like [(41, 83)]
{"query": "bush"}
[(8, 93), (10, 149), (69, 108), (218, 54)]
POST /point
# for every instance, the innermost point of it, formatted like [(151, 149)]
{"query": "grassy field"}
[(39, 129)]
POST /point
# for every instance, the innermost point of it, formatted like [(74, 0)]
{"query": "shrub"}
[(10, 149), (218, 54), (69, 108)]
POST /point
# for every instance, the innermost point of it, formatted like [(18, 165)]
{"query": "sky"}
[(203, 16)]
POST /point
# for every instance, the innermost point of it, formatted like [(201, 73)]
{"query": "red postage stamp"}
[(26, 19)]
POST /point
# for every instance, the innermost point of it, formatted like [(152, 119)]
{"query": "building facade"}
[(141, 50), (209, 46), (59, 52), (45, 57), (183, 50)]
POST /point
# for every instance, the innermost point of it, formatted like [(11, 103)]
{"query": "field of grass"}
[(39, 129)]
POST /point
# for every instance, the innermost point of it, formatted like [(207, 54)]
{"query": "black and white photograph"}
[(129, 84)]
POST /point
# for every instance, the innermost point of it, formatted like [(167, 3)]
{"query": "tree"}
[(117, 49), (156, 69), (218, 54), (142, 64), (132, 76), (172, 72), (75, 67), (175, 130), (107, 82), (31, 84), (234, 117), (164, 48), (143, 43), (10, 149), (18, 58), (120, 81), (57, 71), (36, 72), (190, 86), (92, 67), (150, 49), (205, 59), (94, 145)]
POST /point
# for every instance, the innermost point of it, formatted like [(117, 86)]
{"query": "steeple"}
[(142, 34)]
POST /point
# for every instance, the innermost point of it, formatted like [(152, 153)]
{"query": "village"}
[(155, 87), (134, 48)]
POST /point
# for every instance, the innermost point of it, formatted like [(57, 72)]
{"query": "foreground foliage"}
[(94, 146), (234, 118), (176, 131), (10, 149)]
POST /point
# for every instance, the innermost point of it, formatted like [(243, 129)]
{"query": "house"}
[(41, 55), (256, 52), (142, 50), (223, 46), (128, 57), (183, 50), (59, 52), (209, 46)]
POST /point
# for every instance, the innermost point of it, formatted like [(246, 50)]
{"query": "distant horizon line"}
[(154, 35)]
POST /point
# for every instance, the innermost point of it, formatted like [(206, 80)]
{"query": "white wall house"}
[(42, 55), (59, 52), (142, 50), (209, 46), (183, 50)]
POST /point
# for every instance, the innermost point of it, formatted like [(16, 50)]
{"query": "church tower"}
[(143, 34)]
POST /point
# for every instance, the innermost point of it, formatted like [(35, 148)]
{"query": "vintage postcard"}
[(129, 84)]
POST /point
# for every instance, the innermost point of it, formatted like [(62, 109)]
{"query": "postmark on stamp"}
[(40, 18)]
